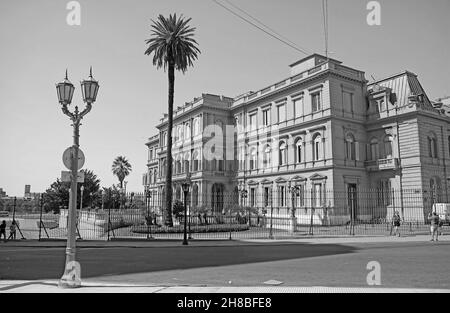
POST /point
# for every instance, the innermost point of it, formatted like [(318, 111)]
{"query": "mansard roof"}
[(403, 85)]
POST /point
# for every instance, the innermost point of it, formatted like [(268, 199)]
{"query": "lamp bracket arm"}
[(86, 110), (67, 112)]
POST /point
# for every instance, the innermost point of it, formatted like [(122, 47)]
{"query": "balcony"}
[(382, 165)]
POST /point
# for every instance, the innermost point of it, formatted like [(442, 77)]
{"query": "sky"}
[(37, 45)]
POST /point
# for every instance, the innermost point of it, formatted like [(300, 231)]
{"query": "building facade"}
[(344, 142)]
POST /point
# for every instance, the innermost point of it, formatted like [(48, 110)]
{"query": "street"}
[(404, 264)]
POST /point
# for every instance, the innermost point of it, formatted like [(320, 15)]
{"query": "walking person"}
[(396, 220), (3, 230), (434, 219), (12, 231)]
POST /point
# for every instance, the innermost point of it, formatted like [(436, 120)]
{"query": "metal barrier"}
[(255, 216)]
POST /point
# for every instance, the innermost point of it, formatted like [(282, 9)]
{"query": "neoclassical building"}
[(344, 142)]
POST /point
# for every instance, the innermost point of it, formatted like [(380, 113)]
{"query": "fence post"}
[(109, 220), (40, 215), (229, 221), (271, 222), (311, 233)]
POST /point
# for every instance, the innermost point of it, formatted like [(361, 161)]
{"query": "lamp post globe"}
[(65, 91), (89, 88)]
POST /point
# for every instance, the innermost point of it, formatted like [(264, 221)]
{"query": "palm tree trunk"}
[(168, 212)]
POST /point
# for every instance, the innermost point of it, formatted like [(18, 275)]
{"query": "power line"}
[(266, 26), (261, 29)]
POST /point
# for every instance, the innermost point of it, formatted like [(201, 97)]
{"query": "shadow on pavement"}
[(24, 264)]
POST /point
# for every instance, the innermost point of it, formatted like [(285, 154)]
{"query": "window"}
[(350, 147), (150, 154), (282, 196), (374, 149), (388, 147), (283, 154), (347, 98), (317, 148), (449, 145), (187, 130), (266, 117), (436, 189), (298, 150), (253, 159), (267, 157), (316, 102), (281, 113), (252, 121), (384, 192), (317, 195), (266, 196), (253, 197), (196, 161), (298, 107), (432, 147), (196, 126), (163, 139)]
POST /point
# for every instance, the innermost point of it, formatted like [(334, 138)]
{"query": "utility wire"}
[(264, 25), (263, 30)]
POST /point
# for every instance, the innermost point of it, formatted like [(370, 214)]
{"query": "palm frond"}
[(171, 41)]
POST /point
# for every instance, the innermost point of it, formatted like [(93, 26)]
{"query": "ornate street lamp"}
[(186, 185), (147, 204), (244, 194), (65, 89)]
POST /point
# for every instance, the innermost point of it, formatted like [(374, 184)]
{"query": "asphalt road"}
[(403, 265)]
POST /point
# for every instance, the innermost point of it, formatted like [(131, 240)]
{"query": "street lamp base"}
[(69, 282), (185, 243), (71, 277)]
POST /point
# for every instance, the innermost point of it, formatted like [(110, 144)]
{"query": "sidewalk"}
[(139, 243), (94, 287)]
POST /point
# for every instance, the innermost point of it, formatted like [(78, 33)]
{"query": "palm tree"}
[(121, 168), (174, 48)]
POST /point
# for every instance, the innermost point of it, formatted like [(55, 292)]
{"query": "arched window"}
[(317, 147), (267, 156), (163, 168), (196, 126), (388, 147), (196, 161), (282, 159), (299, 150), (350, 151), (374, 155), (187, 130), (432, 146), (253, 158), (178, 167), (436, 189), (187, 163)]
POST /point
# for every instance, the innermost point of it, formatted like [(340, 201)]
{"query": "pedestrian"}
[(396, 223), (434, 220), (12, 231), (3, 230)]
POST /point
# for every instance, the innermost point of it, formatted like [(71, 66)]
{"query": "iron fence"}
[(283, 213)]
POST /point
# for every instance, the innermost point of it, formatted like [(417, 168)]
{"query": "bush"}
[(178, 209), (194, 229)]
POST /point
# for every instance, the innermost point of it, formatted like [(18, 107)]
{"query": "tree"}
[(57, 196), (121, 168), (173, 48)]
